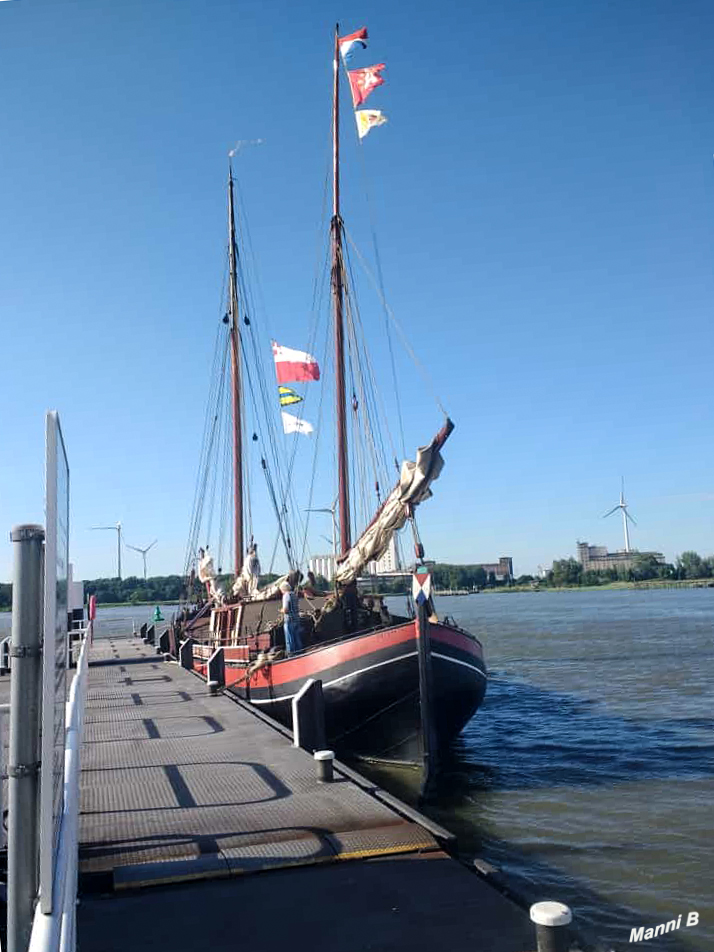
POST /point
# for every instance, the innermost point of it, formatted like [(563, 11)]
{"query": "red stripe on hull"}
[(458, 639), (361, 646), (309, 665)]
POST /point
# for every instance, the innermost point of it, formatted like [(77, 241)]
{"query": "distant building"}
[(323, 565), (596, 558), (503, 569), (388, 564)]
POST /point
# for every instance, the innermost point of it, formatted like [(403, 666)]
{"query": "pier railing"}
[(4, 734), (56, 931)]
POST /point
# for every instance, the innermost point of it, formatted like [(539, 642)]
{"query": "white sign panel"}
[(54, 666)]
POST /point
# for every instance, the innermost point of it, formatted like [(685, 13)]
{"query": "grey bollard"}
[(324, 763), (551, 920), (186, 654), (216, 669), (212, 687), (308, 709)]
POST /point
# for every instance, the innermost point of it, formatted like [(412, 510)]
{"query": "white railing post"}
[(4, 719), (57, 932)]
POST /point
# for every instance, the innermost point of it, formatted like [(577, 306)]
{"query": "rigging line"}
[(264, 465), (206, 429), (321, 242), (226, 520), (245, 460), (370, 390), (248, 477), (267, 403), (246, 242), (215, 468), (203, 456), (266, 417), (380, 277), (212, 416), (377, 401), (274, 500), (275, 452), (356, 484), (357, 419), (366, 442), (317, 299), (296, 437), (274, 448), (367, 397), (314, 458), (405, 342)]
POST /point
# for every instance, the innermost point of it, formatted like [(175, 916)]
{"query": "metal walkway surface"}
[(179, 786)]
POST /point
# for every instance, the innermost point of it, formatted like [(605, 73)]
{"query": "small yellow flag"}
[(367, 118)]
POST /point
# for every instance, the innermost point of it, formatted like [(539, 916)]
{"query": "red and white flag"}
[(363, 81), (354, 40), (294, 366)]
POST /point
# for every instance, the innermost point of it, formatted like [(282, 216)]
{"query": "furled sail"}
[(207, 575), (412, 488), (206, 571), (247, 582)]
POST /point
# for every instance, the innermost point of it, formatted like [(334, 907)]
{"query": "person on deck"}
[(291, 619)]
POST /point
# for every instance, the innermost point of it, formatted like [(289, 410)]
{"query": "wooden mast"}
[(337, 301), (236, 386)]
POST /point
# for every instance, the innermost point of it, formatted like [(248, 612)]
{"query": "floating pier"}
[(186, 797)]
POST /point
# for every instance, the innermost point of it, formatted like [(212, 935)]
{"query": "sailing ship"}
[(368, 659)]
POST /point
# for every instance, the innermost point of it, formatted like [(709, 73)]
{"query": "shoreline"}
[(609, 586)]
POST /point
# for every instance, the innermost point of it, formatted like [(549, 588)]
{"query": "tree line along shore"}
[(689, 569)]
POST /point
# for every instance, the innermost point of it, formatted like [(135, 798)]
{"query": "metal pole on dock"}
[(421, 591), (24, 755)]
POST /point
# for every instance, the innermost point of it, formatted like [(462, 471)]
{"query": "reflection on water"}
[(588, 774)]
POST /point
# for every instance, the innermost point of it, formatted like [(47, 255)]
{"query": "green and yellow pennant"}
[(288, 397)]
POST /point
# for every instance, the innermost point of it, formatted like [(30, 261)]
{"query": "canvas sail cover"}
[(247, 582), (206, 571), (270, 591), (412, 488)]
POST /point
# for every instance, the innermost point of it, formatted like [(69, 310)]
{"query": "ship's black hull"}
[(371, 689)]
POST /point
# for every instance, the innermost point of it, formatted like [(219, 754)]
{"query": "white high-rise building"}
[(388, 563), (323, 565)]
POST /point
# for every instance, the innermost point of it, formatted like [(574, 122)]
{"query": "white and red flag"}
[(367, 119), (363, 81), (348, 44), (294, 366)]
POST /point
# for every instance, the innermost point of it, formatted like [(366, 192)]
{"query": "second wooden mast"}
[(234, 324), (337, 287)]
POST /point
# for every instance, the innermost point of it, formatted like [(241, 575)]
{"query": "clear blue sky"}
[(544, 202)]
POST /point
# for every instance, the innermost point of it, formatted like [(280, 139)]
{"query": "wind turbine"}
[(117, 529), (625, 515), (136, 548)]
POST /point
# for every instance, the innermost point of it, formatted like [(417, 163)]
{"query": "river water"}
[(588, 773)]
